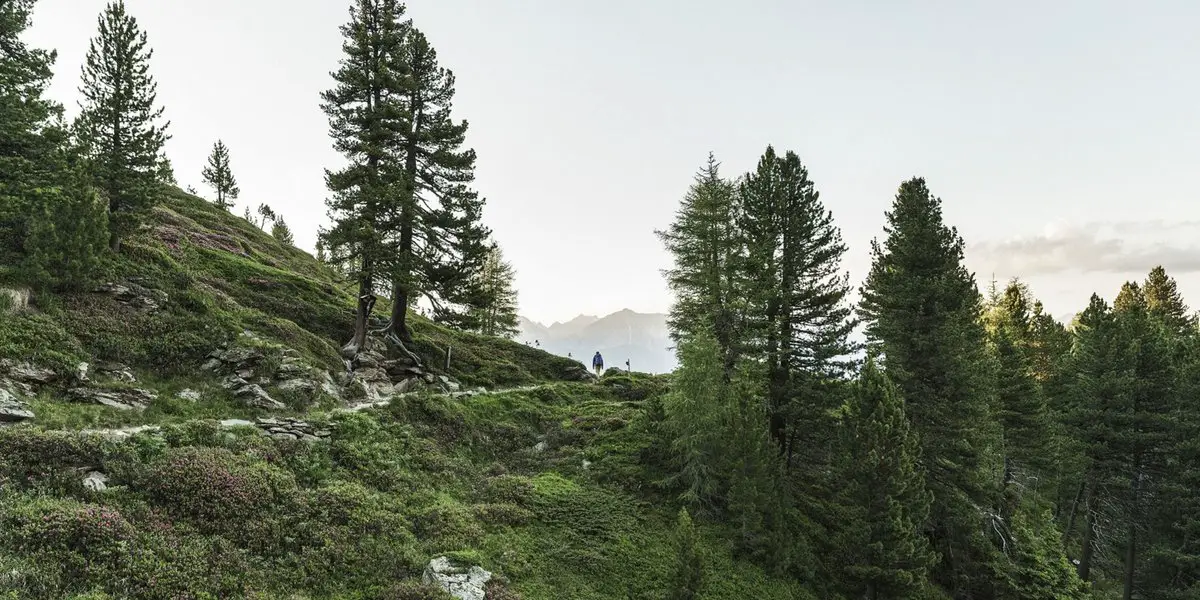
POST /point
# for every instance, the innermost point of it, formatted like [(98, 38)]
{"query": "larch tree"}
[(706, 246), (219, 176), (880, 546), (29, 123), (494, 310), (68, 233), (439, 242), (922, 310), (119, 123), (367, 119), (1165, 303)]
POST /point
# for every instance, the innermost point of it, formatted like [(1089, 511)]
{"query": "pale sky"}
[(1062, 136)]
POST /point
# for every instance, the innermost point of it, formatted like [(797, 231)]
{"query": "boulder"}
[(189, 394), (24, 372), (18, 297), (12, 410), (115, 371), (120, 398), (95, 481), (464, 584), (251, 394), (133, 295)]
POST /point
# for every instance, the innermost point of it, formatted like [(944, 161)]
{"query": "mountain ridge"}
[(641, 338)]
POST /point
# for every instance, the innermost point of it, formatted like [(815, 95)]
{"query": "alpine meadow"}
[(194, 407)]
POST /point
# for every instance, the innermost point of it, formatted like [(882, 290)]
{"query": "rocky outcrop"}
[(462, 583), (252, 394), (26, 373), (121, 398), (12, 409), (133, 295), (18, 298), (578, 373)]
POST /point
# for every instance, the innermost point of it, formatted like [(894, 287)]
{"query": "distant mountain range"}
[(641, 338)]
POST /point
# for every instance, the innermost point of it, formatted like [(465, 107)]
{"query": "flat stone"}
[(464, 584), (190, 395), (284, 436), (95, 481), (227, 423)]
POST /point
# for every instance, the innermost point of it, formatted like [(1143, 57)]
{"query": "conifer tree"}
[(881, 548), (119, 122), (266, 213), (706, 246), (797, 298), (29, 124), (697, 419), (494, 309), (367, 119), (1165, 303), (439, 241), (281, 231), (688, 576), (218, 175), (922, 312), (67, 234)]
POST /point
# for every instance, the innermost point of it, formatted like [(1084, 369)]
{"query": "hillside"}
[(641, 338), (187, 429)]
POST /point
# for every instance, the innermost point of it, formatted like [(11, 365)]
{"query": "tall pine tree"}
[(801, 319), (367, 120), (439, 242), (494, 308), (922, 311), (68, 234), (706, 246), (119, 122), (218, 175)]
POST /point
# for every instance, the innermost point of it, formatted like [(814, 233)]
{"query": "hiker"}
[(598, 363)]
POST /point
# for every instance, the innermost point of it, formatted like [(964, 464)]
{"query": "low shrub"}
[(415, 590), (83, 541), (502, 514)]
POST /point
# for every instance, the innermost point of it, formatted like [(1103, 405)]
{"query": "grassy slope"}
[(216, 514)]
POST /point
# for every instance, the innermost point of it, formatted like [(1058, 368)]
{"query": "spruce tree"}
[(706, 246), (29, 124), (119, 122), (218, 175), (367, 119), (922, 311), (440, 240), (880, 546), (800, 318), (281, 232), (494, 310)]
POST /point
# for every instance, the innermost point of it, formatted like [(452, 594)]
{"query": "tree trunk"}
[(1131, 548), (1089, 533), (114, 242), (399, 324), (1074, 509)]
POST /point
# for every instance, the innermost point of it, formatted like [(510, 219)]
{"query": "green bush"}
[(215, 489), (414, 590), (513, 489), (450, 525), (84, 541), (502, 514), (47, 458)]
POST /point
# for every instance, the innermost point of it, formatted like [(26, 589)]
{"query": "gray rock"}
[(230, 423), (189, 394), (284, 436), (13, 410), (303, 386), (539, 447), (81, 371), (409, 385), (253, 395), (27, 373), (464, 584), (133, 295), (18, 296), (120, 398), (95, 481), (115, 371), (212, 364)]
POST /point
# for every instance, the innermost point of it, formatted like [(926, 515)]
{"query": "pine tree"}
[(801, 318), (495, 308), (706, 246), (266, 213), (119, 120), (922, 312), (1165, 303), (68, 235), (367, 119), (697, 419), (249, 216), (440, 241), (688, 576), (880, 547), (29, 124), (281, 232), (219, 176), (166, 171)]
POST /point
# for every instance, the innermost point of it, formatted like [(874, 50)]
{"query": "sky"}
[(1061, 136)]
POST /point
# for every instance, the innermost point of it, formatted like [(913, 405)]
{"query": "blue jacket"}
[(597, 360)]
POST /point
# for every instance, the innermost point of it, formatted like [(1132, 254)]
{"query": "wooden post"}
[(448, 350)]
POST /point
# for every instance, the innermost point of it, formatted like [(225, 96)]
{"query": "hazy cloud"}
[(1097, 247)]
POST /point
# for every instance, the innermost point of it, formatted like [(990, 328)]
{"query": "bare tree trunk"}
[(1074, 509), (1089, 534)]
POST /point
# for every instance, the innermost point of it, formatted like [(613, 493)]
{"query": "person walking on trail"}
[(598, 363)]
